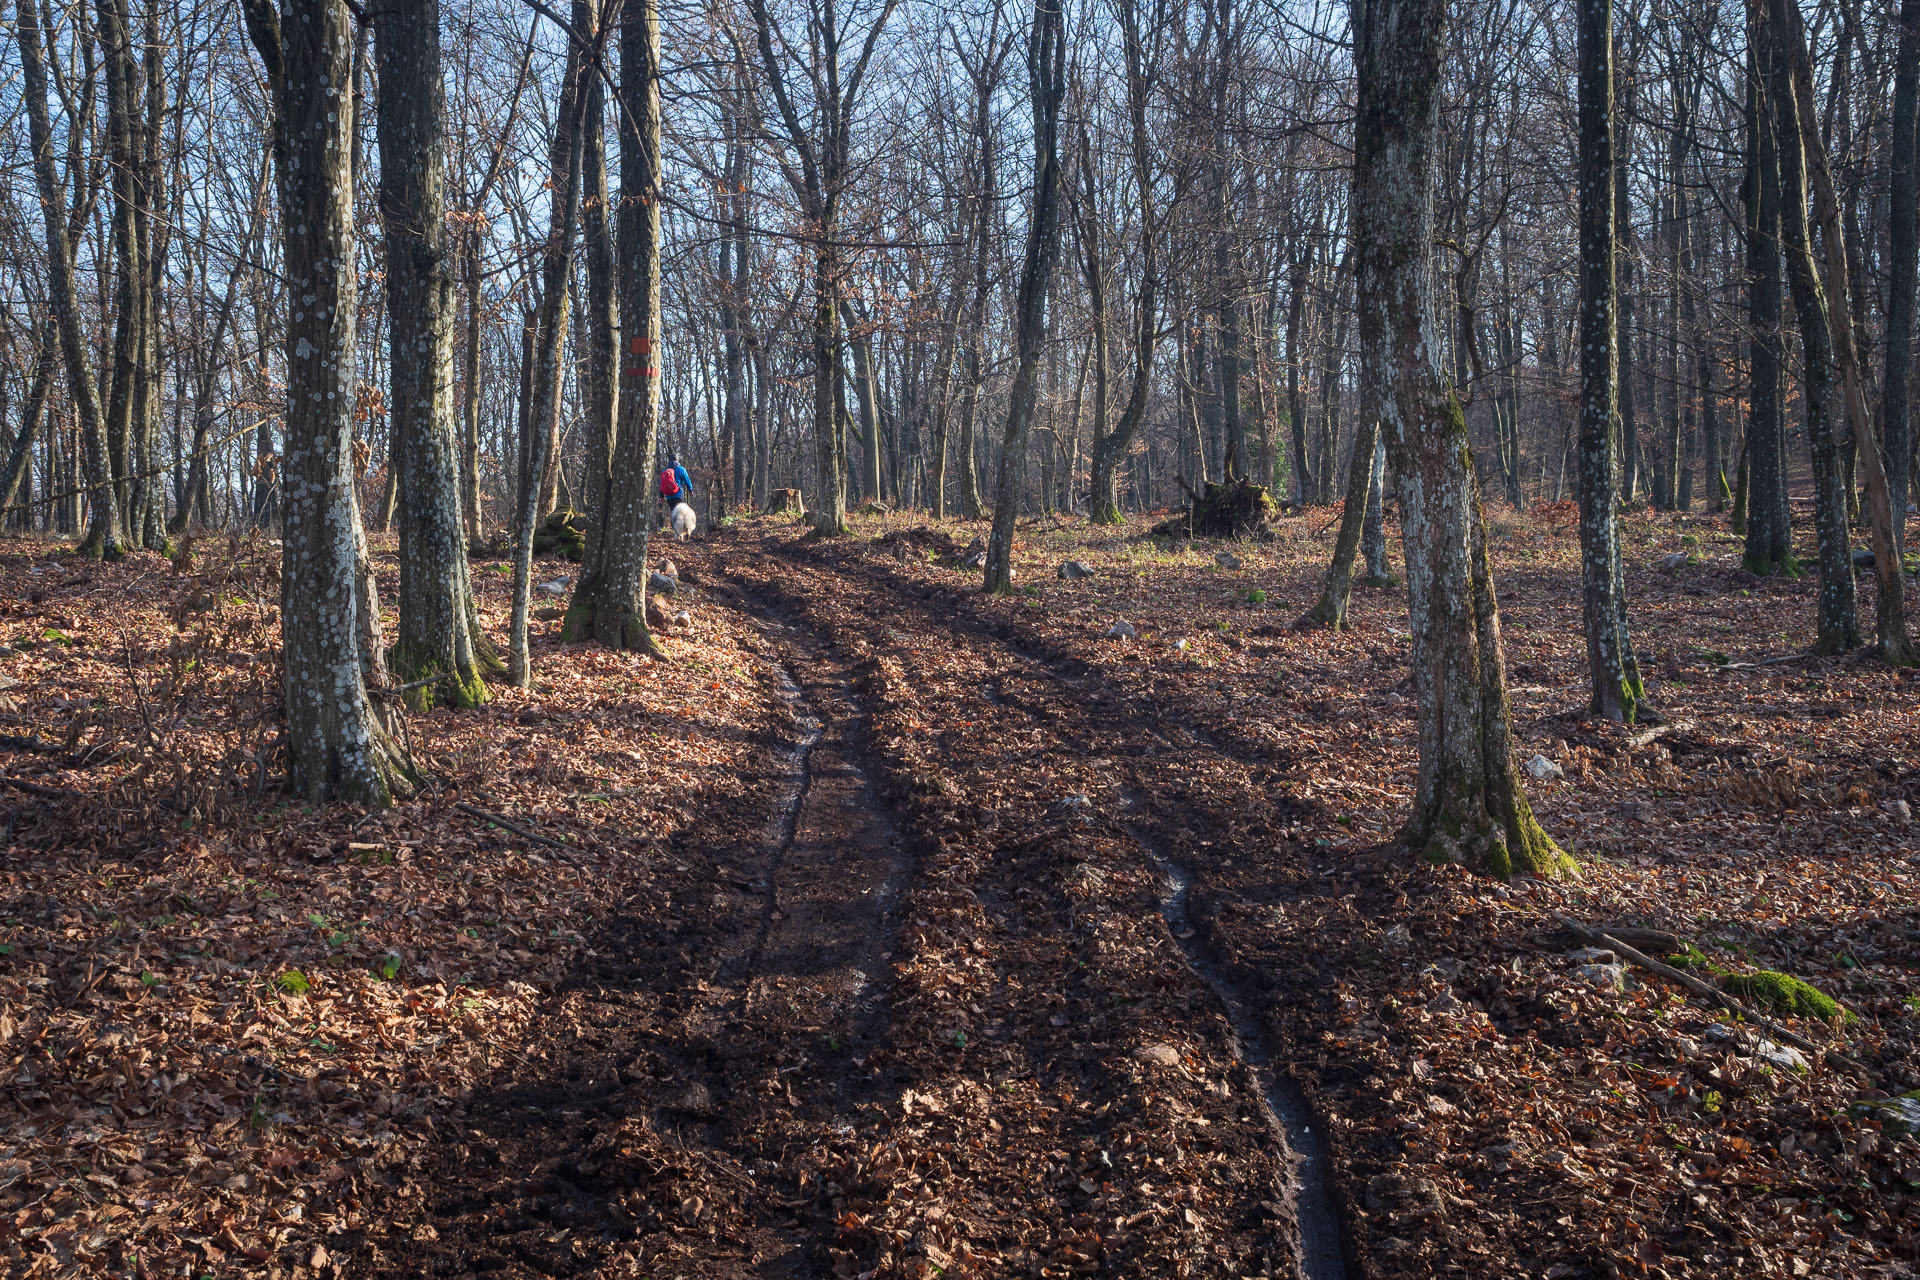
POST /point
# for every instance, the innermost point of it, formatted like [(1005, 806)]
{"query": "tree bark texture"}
[(338, 746), (1469, 804), (436, 595)]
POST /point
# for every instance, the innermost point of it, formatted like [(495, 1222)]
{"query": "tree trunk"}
[(1469, 804), (1303, 486), (1110, 449), (1890, 629), (436, 595), (329, 614), (1769, 536), (1837, 626), (543, 391), (1337, 586), (609, 604), (1047, 76), (32, 415), (102, 538), (1903, 252), (1612, 669)]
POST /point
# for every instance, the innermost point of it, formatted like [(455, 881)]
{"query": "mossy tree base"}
[(593, 617), (1495, 834), (1761, 566), (465, 688)]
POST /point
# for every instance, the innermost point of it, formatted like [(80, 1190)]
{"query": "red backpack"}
[(669, 487)]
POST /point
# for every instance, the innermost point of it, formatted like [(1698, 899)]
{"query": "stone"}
[(1158, 1055), (1445, 1003), (558, 587), (683, 619), (1121, 630), (1899, 1115), (662, 584), (1899, 809), (1073, 570), (1607, 977), (1784, 1056), (1181, 646), (1863, 558), (1541, 769), (1673, 561), (1593, 955), (1226, 559)]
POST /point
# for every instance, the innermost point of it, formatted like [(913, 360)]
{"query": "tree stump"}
[(786, 502)]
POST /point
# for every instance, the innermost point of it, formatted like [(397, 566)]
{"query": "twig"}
[(392, 690), (520, 831), (1755, 666), (1707, 990), (621, 794)]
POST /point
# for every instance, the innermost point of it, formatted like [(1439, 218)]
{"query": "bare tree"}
[(1469, 805), (439, 633), (330, 617), (1618, 693), (102, 538), (1047, 81)]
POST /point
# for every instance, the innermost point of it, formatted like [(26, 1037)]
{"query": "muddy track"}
[(1112, 725), (715, 1025)]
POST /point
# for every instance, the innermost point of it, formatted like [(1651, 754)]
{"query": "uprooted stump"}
[(1239, 509), (786, 502)]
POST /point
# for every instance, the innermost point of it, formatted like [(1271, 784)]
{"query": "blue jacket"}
[(685, 481)]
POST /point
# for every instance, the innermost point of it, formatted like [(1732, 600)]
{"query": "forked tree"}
[(608, 605)]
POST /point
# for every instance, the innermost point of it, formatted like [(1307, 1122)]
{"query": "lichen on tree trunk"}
[(438, 632), (1469, 804), (337, 742)]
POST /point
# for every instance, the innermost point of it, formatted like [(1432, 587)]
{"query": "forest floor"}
[(892, 930)]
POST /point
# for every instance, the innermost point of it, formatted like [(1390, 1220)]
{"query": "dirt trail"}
[(924, 1008), (714, 1026)]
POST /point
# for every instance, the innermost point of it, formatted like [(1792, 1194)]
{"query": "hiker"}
[(676, 486)]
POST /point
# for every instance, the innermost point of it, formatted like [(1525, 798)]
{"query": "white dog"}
[(683, 521)]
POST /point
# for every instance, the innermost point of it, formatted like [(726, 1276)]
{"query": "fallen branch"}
[(39, 746), (395, 690), (1646, 736), (522, 832), (1706, 990), (34, 788)]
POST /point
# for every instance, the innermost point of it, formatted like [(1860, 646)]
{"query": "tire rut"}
[(1110, 713), (708, 1033)]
